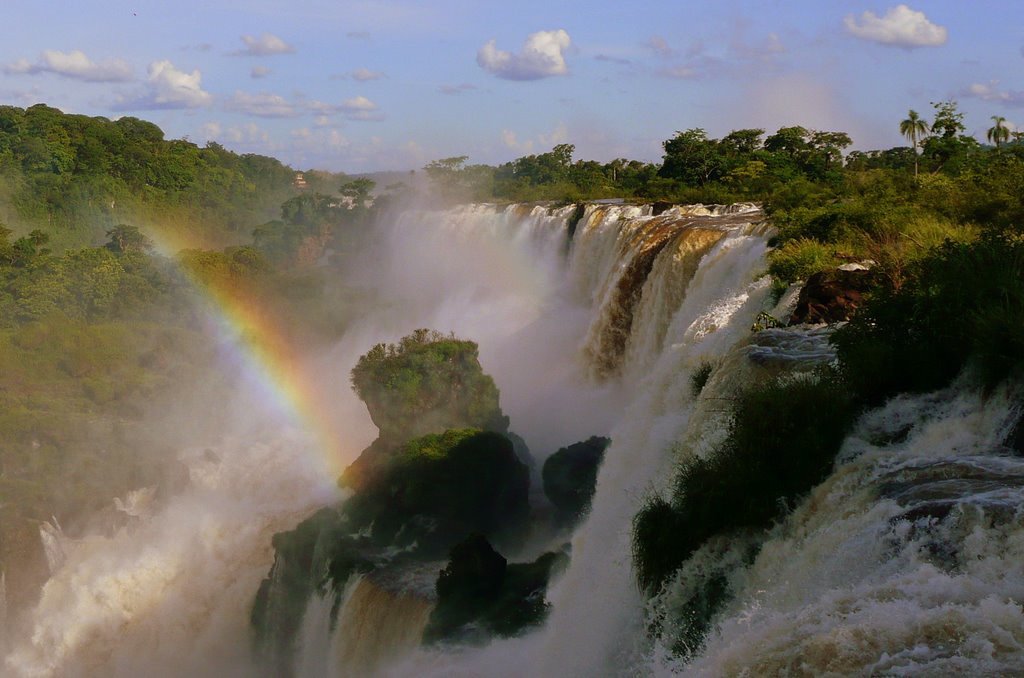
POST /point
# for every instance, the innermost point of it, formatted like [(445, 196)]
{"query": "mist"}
[(168, 592)]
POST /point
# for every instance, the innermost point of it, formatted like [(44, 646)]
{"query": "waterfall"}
[(596, 606), (908, 558)]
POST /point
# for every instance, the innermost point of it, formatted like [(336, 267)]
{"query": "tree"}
[(948, 147), (742, 141), (914, 128), (692, 158), (789, 140), (829, 146), (999, 132), (358, 192), (124, 238)]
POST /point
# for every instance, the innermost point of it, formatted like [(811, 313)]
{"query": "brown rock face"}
[(23, 562), (830, 297)]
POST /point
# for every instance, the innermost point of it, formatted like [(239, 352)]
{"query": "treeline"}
[(746, 164), (77, 176)]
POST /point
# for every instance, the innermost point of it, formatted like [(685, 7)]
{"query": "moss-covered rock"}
[(438, 488), (480, 594), (570, 475), (427, 383)]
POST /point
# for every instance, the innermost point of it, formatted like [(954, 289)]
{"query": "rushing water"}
[(907, 558)]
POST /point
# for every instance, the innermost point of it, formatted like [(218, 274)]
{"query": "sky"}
[(367, 85)]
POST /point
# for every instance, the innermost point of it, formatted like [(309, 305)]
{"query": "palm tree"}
[(999, 132), (913, 128)]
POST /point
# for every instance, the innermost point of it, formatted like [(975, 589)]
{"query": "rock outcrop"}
[(480, 594), (570, 475), (831, 296)]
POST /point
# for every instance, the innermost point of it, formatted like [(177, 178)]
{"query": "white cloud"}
[(990, 92), (75, 65), (305, 139), (249, 134), (899, 27), (544, 142), (365, 74), (542, 56), (258, 72), (210, 130), (511, 140), (169, 88), (262, 105), (265, 45), (360, 108)]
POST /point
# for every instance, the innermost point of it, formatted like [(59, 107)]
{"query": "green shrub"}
[(782, 442), (699, 378), (798, 259), (963, 301), (442, 487)]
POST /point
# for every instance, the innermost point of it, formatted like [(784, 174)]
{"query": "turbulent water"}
[(908, 559)]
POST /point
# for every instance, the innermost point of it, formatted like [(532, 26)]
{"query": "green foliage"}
[(82, 176), (798, 259), (699, 377), (72, 395), (963, 301), (441, 487), (782, 442), (427, 382)]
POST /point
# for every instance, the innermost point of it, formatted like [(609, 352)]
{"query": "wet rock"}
[(427, 383), (570, 475), (479, 594), (830, 297), (1015, 441), (438, 488), (23, 562)]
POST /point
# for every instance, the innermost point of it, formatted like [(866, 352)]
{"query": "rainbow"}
[(262, 349)]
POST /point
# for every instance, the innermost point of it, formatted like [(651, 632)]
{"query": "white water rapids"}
[(641, 301)]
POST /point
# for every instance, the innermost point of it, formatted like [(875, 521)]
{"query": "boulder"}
[(570, 476), (427, 383), (480, 594), (438, 488), (830, 296)]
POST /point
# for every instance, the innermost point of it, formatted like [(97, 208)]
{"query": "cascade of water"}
[(908, 559), (595, 627), (52, 538), (596, 606), (170, 596), (648, 298)]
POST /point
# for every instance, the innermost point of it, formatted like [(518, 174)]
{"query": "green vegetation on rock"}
[(427, 382), (440, 487)]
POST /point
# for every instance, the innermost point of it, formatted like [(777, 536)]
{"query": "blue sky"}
[(393, 84)]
